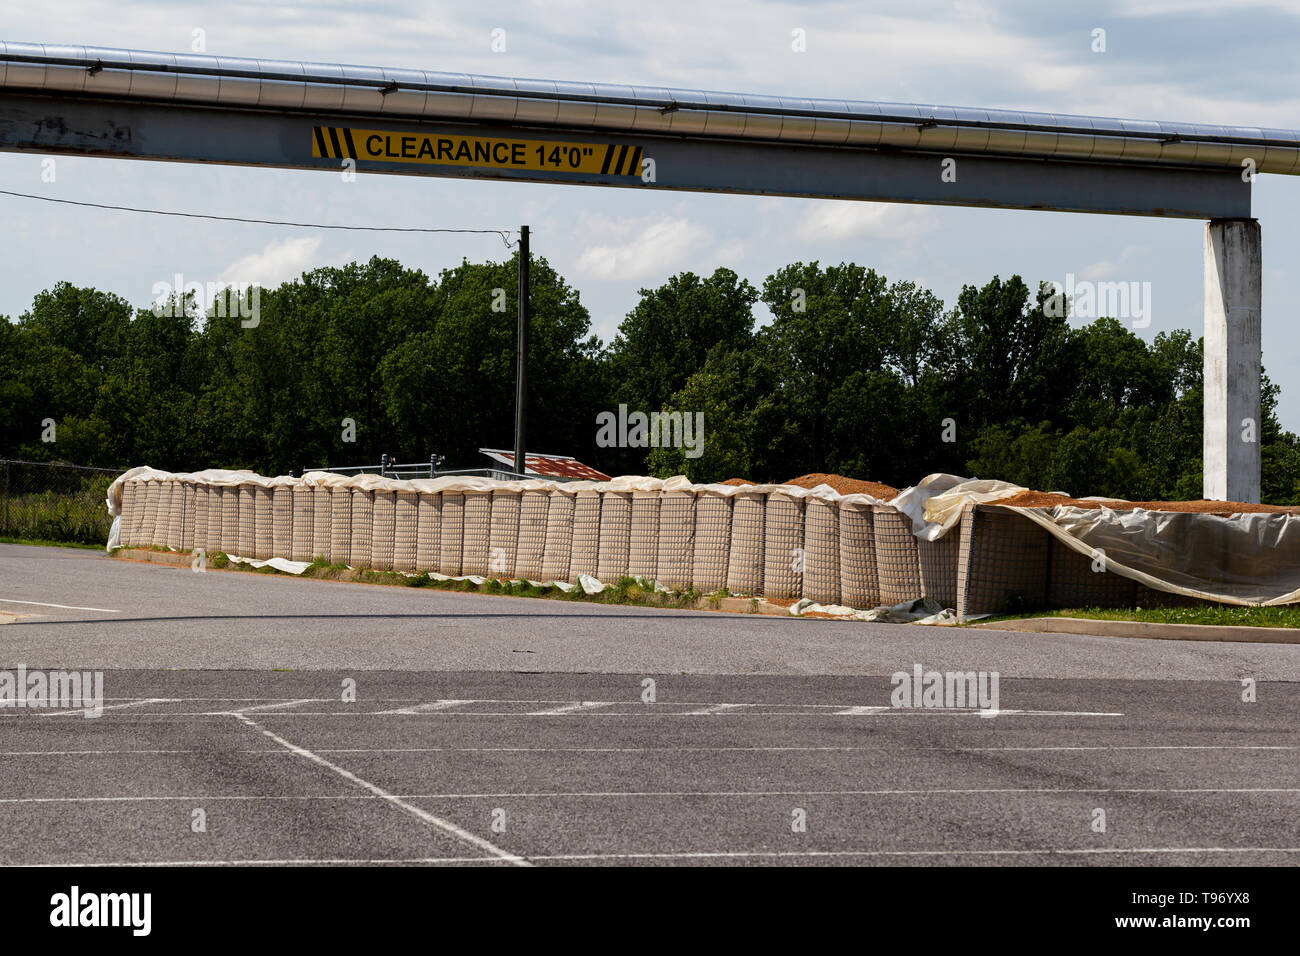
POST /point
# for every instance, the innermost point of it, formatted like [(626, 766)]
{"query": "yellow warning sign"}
[(342, 142)]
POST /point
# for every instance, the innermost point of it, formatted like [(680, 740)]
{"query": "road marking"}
[(379, 793), (662, 708), (96, 753), (323, 861), (66, 607), (425, 816), (278, 752), (745, 854), (278, 704), (426, 708), (688, 855), (81, 711), (596, 709), (578, 706), (630, 700), (715, 709)]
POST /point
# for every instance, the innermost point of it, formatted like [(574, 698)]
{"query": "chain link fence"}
[(54, 501)]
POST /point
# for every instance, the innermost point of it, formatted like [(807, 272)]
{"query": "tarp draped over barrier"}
[(778, 541), (1245, 559)]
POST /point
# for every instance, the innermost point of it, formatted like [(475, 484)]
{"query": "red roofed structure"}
[(556, 467)]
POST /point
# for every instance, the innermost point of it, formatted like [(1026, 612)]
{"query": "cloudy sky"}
[(1211, 61)]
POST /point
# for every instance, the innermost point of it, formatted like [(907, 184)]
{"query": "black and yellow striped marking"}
[(342, 142)]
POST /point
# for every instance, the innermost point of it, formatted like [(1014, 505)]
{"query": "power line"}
[(503, 233)]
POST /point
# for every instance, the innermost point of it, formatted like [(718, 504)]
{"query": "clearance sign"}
[(342, 142)]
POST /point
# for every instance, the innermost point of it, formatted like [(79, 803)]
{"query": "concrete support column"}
[(1232, 360)]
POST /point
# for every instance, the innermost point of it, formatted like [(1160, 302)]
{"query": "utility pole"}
[(521, 348)]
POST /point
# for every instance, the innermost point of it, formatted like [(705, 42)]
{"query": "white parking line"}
[(278, 752), (425, 816), (276, 705), (80, 711), (426, 708), (693, 855), (598, 709), (715, 709), (397, 799), (578, 706), (66, 607), (1055, 851)]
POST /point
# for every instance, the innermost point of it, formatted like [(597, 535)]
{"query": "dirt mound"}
[(738, 482), (1039, 499), (846, 486)]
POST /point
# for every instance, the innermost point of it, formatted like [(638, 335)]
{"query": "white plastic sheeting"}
[(1245, 559), (456, 483)]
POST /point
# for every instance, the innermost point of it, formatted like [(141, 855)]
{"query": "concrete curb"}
[(1144, 629)]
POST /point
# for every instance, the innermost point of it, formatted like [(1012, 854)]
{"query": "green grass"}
[(72, 517), (1210, 615), (627, 590), (99, 546)]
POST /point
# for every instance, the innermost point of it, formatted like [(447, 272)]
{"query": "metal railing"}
[(431, 469)]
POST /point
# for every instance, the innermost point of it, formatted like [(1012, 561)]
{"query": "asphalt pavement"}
[(258, 719)]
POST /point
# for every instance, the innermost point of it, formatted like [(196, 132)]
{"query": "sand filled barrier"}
[(976, 546)]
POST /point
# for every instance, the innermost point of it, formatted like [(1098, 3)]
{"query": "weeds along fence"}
[(54, 501)]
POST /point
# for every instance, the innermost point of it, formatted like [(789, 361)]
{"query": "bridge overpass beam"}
[(1233, 283)]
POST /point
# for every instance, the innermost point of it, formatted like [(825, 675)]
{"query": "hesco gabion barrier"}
[(779, 543), (559, 538), (200, 536), (428, 532), (585, 550), (322, 522), (859, 584), (246, 537), (712, 542), (478, 527), (264, 523), (451, 525), (745, 555), (174, 497), (533, 507), (383, 538), (643, 549), (406, 530), (783, 546), (821, 548), (230, 520), (898, 561), (303, 523), (676, 539), (615, 539), (503, 534)]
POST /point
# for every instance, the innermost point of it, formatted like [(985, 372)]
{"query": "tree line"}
[(852, 374)]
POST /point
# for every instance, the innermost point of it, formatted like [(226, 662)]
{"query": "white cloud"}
[(1111, 269), (280, 261), (836, 221), (639, 248)]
